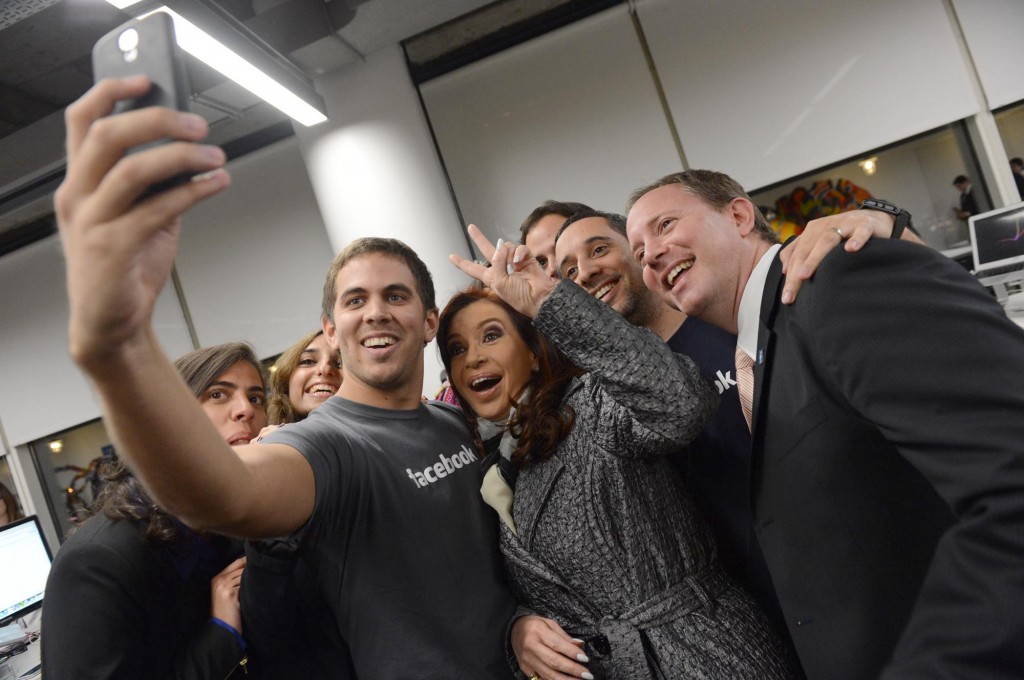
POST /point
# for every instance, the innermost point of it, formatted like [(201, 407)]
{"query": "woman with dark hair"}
[(601, 537), (133, 592), (305, 375), (9, 509), (541, 420)]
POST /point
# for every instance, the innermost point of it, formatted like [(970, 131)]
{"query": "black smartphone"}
[(145, 47)]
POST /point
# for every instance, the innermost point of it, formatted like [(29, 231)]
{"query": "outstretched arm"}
[(853, 228), (119, 252)]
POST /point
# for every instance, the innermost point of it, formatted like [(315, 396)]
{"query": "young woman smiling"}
[(305, 375)]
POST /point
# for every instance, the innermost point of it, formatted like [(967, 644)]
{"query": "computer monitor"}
[(26, 564), (997, 243)]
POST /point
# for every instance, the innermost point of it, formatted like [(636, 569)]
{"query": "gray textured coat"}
[(608, 541)]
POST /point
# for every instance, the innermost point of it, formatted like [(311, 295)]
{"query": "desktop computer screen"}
[(26, 564), (997, 239)]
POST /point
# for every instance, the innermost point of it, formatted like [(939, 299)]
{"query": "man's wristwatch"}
[(901, 215)]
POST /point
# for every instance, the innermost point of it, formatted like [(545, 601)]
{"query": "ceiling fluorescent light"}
[(212, 52)]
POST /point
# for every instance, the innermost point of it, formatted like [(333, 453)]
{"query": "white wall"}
[(41, 391), (769, 90), (251, 264), (252, 260), (762, 91), (1011, 129), (572, 115), (993, 30), (376, 173)]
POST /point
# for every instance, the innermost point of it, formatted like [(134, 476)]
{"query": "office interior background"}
[(447, 112)]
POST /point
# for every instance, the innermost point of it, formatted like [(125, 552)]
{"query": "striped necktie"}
[(745, 384)]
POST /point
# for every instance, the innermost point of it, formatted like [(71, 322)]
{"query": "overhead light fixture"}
[(869, 166), (219, 57), (57, 445)]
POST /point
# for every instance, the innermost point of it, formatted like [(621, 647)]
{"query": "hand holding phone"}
[(146, 47), (119, 251)]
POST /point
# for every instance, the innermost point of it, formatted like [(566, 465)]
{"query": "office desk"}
[(26, 664), (28, 660), (1016, 316)]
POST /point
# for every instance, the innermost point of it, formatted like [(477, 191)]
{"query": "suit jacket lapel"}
[(769, 304)]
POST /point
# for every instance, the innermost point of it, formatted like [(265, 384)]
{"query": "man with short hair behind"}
[(887, 471), (538, 230), (1017, 168), (968, 202), (381, 490)]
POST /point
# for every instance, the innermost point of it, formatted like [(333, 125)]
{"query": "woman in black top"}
[(134, 593)]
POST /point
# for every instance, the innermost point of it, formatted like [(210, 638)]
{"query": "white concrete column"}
[(992, 158), (375, 172)]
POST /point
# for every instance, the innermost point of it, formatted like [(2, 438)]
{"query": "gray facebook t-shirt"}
[(400, 543)]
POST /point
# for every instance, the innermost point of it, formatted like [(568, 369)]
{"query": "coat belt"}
[(619, 637)]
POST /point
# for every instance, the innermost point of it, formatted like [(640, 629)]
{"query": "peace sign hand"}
[(514, 273)]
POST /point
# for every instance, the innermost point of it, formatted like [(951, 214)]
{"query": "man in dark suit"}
[(887, 468), (1017, 168), (968, 203)]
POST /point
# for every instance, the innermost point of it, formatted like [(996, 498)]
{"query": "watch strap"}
[(902, 217)]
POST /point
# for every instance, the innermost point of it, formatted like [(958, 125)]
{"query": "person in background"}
[(134, 593), (305, 375), (538, 230), (887, 474), (600, 537), (1017, 167), (968, 202), (10, 511)]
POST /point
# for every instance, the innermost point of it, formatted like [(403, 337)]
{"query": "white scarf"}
[(495, 489)]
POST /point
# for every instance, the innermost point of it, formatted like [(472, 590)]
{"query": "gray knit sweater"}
[(609, 543)]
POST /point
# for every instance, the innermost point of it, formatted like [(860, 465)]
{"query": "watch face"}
[(875, 204)]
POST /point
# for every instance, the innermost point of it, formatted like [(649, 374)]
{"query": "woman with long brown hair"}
[(133, 592), (305, 375), (600, 536)]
